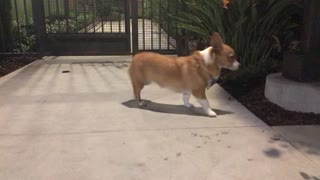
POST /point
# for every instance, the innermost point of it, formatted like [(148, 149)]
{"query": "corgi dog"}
[(187, 75)]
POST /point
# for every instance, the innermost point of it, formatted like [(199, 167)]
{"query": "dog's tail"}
[(135, 70), (136, 75), (131, 69)]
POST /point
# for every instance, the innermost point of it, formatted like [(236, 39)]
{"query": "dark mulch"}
[(9, 64), (250, 93)]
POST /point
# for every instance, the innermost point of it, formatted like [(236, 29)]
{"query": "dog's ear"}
[(216, 42)]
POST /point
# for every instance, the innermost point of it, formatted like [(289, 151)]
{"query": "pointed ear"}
[(216, 42)]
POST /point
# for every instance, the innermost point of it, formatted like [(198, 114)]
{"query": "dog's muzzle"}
[(235, 65)]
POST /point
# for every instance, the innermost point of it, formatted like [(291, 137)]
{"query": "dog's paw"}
[(142, 104), (189, 105), (211, 113)]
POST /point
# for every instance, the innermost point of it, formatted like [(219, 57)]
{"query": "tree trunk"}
[(305, 67)]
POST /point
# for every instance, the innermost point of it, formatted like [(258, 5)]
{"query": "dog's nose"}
[(236, 65)]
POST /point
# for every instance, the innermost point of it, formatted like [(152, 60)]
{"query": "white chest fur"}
[(207, 56)]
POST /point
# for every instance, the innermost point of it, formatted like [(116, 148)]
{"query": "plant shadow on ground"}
[(305, 140), (172, 109), (308, 177), (282, 145), (299, 142)]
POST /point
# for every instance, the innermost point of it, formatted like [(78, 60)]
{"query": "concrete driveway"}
[(83, 125)]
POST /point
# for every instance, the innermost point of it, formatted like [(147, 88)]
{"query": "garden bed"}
[(11, 63), (250, 93)]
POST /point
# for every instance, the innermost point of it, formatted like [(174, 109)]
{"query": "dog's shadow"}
[(171, 109)]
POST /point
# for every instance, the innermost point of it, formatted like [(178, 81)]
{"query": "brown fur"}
[(177, 73)]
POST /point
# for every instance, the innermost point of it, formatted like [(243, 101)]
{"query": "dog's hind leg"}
[(137, 81), (202, 99), (137, 87), (186, 97)]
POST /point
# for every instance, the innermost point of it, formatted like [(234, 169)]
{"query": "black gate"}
[(103, 27), (82, 27), (153, 28)]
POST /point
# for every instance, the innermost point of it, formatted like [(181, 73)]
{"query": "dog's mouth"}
[(235, 66)]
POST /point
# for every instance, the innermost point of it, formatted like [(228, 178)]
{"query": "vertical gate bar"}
[(127, 16), (151, 4), (119, 16), (39, 25), (159, 24), (101, 15), (67, 14), (76, 14), (143, 26), (111, 16), (3, 48), (178, 49), (18, 23), (168, 27), (25, 12), (49, 13), (94, 16), (127, 24), (134, 11), (58, 14), (110, 25), (85, 17)]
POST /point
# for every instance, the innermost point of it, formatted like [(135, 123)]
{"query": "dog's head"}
[(222, 54)]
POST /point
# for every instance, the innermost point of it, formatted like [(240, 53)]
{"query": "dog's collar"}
[(211, 81)]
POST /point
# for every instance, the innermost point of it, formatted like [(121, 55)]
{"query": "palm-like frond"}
[(247, 25)]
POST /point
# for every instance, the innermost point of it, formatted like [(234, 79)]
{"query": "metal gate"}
[(104, 27), (152, 27), (82, 27)]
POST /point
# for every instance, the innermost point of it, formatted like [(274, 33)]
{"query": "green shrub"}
[(109, 9), (23, 37), (159, 11), (18, 37), (251, 27), (151, 9), (76, 22)]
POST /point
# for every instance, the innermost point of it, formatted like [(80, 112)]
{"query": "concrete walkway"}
[(83, 125)]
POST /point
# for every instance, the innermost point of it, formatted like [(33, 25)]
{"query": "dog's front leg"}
[(206, 107), (186, 97), (201, 98)]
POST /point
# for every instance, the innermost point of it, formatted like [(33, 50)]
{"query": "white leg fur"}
[(205, 105), (142, 104), (186, 97)]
